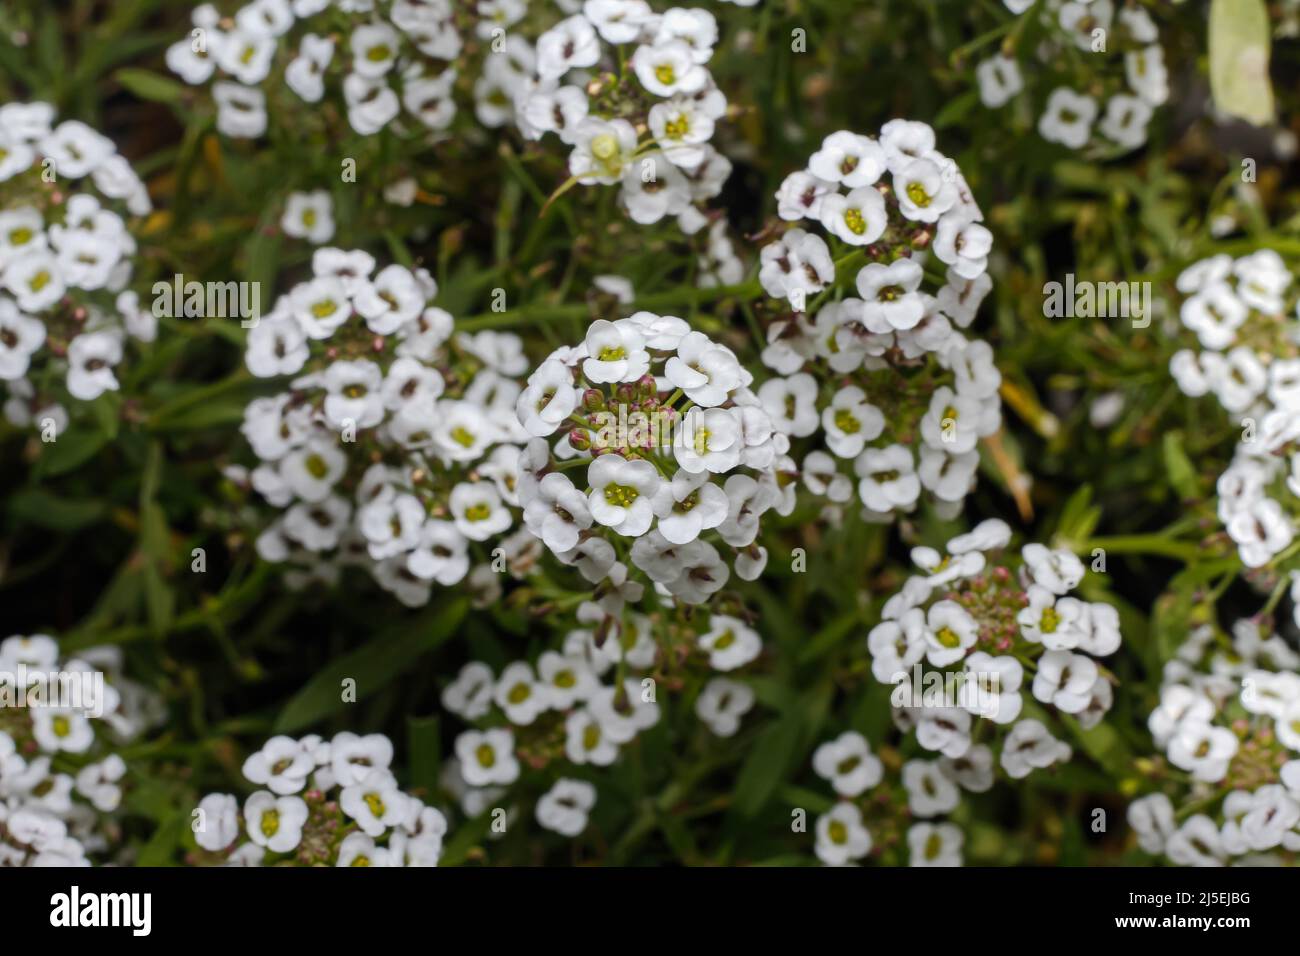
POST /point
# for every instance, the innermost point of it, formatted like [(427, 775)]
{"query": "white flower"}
[(586, 742), (934, 844), (681, 127), (794, 267), (616, 353), (558, 514), (478, 511), (858, 218), (1203, 750), (275, 823), (352, 757), (925, 190), (729, 642), (1196, 843), (887, 479), (309, 216), (91, 357), (564, 808), (849, 765), (75, 149), (57, 729), (1068, 118), (688, 505), (392, 526), (1065, 680), (841, 837), (441, 554), (374, 49), (618, 21), (519, 695), (602, 150), (963, 244), (1029, 745), (949, 632), (487, 757), (801, 196), (721, 705), (305, 75), (791, 403), (389, 301), (470, 694), (654, 188), (1126, 120), (623, 712), (570, 44), (890, 300), (1058, 571), (20, 336), (35, 280), (904, 141), (896, 645), (548, 399), (357, 849), (999, 80), (567, 680), (623, 493), (669, 68), (241, 109), (371, 103), (848, 159), (218, 822), (375, 802), (282, 765), (1147, 76), (850, 422), (705, 371), (1152, 819), (929, 792)]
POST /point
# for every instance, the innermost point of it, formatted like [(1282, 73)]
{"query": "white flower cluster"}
[(1229, 718), (895, 386), (1088, 35), (1002, 630), (648, 127), (396, 445), (60, 779), (1249, 359), (65, 261), (931, 788), (583, 704), (393, 61), (674, 448), (324, 802)]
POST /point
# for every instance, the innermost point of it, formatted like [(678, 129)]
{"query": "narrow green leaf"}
[(373, 666)]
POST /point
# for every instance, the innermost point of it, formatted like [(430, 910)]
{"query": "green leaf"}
[(150, 86), (1239, 53), (767, 764), (372, 666), (1182, 475), (424, 751), (70, 450), (47, 510), (162, 846)]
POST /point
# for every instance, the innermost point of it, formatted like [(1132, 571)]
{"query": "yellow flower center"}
[(621, 496)]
